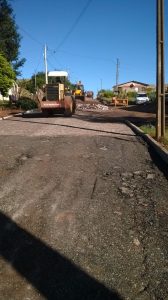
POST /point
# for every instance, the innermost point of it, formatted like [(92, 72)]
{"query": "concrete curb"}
[(162, 152), (9, 116)]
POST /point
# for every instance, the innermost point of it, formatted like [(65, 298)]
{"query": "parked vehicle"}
[(89, 94), (142, 98), (55, 97)]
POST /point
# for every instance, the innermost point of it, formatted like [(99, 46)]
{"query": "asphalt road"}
[(83, 211)]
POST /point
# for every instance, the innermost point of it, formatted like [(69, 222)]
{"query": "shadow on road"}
[(115, 118), (84, 118), (111, 116), (162, 166), (148, 108), (53, 275), (145, 107)]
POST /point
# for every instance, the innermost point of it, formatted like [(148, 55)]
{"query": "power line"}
[(66, 52), (74, 25), (39, 60), (52, 56), (117, 72), (86, 56), (69, 31), (51, 64), (30, 36)]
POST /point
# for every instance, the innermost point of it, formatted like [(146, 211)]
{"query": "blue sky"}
[(86, 38)]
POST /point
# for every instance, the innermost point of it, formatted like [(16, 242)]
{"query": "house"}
[(12, 93), (131, 86)]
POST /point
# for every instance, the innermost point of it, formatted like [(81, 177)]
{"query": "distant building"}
[(131, 86)]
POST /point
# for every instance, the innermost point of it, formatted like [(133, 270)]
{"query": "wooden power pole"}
[(160, 85), (117, 73), (45, 62)]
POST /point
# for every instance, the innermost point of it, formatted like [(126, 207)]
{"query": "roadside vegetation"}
[(105, 96), (150, 129), (10, 37), (7, 75), (26, 104), (23, 104), (10, 61), (4, 104), (37, 81)]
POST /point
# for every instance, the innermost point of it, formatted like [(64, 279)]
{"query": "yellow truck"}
[(78, 91)]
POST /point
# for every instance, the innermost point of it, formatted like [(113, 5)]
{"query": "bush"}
[(131, 95), (152, 96), (108, 94), (4, 103), (105, 94), (26, 104), (131, 101)]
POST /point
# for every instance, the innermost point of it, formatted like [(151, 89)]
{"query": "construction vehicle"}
[(55, 97), (78, 91), (89, 94)]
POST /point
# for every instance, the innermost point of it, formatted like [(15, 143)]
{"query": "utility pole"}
[(35, 81), (117, 73), (101, 84), (45, 62), (160, 84)]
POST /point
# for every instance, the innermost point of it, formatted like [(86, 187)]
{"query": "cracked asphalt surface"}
[(83, 211)]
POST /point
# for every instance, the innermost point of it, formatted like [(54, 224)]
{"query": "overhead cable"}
[(73, 25), (31, 37)]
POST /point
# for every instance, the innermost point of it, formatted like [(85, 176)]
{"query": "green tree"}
[(23, 86), (106, 93), (9, 36), (7, 75), (36, 81), (69, 84)]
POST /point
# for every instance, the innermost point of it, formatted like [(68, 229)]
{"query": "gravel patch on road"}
[(79, 124), (91, 107)]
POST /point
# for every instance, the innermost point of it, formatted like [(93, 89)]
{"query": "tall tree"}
[(7, 75), (9, 36)]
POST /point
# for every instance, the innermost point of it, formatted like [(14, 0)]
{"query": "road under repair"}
[(83, 211)]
